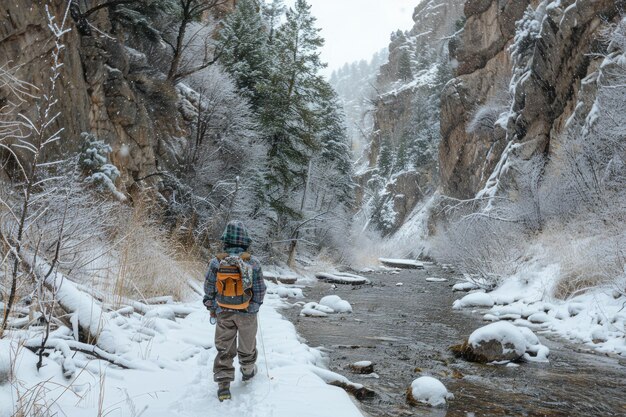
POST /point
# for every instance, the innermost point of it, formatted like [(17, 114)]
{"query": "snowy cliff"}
[(521, 75), (401, 159)]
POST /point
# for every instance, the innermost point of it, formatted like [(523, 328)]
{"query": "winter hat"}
[(236, 234)]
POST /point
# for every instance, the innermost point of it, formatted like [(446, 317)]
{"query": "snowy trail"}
[(178, 355)]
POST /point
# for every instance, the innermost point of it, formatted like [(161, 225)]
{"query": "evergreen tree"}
[(335, 151), (290, 113), (272, 13), (405, 73), (402, 156), (245, 52), (385, 159)]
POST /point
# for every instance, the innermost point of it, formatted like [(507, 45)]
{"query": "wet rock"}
[(362, 367), (496, 342), (358, 391)]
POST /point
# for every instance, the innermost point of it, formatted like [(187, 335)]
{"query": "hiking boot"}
[(223, 391), (247, 376)]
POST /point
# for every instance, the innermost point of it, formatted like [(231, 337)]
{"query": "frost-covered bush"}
[(485, 117), (484, 246), (94, 160), (527, 31)]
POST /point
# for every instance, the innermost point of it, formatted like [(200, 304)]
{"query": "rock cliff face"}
[(106, 87), (519, 78), (406, 113), (425, 44)]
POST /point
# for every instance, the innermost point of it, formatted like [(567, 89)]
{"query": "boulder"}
[(362, 367), (496, 342), (428, 390)]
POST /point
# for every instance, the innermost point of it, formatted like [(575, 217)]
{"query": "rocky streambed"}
[(406, 332)]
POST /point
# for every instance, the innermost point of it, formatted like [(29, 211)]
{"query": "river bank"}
[(406, 331)]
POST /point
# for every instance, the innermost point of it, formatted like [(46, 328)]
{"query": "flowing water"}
[(406, 332)]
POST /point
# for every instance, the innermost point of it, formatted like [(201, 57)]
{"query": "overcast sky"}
[(355, 29)]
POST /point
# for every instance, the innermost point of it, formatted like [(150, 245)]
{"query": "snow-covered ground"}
[(596, 317), (173, 359)]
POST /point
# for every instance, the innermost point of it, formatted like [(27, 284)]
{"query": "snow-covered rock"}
[(402, 263), (316, 310), (465, 286), (280, 278), (428, 390), (342, 278), (500, 341), (362, 367), (538, 318), (599, 334), (476, 299), (336, 303), (575, 308), (161, 312), (503, 342), (433, 279), (286, 292)]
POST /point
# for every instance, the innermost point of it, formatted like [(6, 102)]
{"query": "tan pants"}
[(229, 325)]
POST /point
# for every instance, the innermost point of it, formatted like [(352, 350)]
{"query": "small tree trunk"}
[(294, 241), (178, 51)]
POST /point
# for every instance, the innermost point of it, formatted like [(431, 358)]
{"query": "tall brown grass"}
[(150, 261)]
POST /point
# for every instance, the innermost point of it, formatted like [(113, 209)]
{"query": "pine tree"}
[(272, 13), (385, 159), (405, 73), (402, 156), (245, 52), (290, 115), (335, 151)]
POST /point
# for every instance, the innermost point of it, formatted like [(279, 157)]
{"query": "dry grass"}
[(588, 258), (150, 263)]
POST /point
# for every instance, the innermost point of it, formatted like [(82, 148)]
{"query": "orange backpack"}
[(234, 281)]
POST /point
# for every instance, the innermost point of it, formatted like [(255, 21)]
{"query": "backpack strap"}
[(245, 256), (221, 256)]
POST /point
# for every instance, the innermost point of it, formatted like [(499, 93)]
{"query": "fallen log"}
[(73, 301), (60, 345)]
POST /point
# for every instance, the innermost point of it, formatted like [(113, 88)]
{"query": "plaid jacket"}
[(258, 284)]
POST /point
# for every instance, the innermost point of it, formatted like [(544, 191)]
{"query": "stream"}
[(406, 331)]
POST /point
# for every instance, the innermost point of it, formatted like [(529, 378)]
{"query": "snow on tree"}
[(272, 12), (94, 160), (244, 49), (405, 73), (191, 40), (293, 93)]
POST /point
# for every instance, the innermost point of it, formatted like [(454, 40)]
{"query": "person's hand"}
[(213, 314), (207, 304)]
